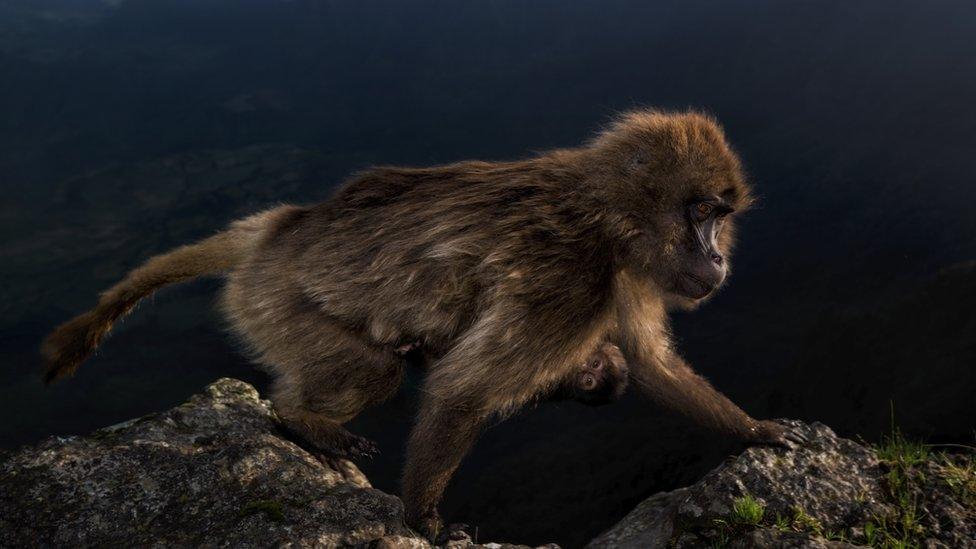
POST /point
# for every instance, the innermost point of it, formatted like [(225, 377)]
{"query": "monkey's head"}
[(601, 379), (672, 185)]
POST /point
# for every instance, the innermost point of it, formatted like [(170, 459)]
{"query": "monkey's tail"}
[(75, 340)]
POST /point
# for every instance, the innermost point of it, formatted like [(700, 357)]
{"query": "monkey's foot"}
[(353, 447), (330, 439), (356, 446), (429, 526), (453, 532), (347, 445), (776, 434)]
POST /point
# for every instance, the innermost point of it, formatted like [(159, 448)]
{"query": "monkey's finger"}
[(794, 434), (797, 437), (782, 438), (783, 441), (366, 449)]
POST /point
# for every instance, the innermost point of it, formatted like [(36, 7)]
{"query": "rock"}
[(830, 493), (214, 471)]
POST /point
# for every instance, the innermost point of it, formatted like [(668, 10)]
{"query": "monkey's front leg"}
[(442, 436), (670, 381)]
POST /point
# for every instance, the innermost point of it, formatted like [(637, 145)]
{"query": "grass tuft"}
[(961, 479), (901, 456), (747, 511), (803, 522), (896, 448)]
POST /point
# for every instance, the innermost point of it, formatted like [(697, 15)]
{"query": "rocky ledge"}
[(830, 493), (216, 471)]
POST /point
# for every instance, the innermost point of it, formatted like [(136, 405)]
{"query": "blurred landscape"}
[(128, 127)]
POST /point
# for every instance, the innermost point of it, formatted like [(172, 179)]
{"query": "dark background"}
[(130, 126)]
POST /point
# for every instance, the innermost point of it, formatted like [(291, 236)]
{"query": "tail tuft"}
[(70, 344)]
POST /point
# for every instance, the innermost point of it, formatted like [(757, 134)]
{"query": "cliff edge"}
[(216, 471), (829, 493)]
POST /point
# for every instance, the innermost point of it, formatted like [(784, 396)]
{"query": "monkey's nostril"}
[(716, 258)]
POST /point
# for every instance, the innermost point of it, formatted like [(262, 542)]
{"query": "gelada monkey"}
[(511, 273)]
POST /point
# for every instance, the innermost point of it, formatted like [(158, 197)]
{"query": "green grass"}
[(747, 511), (961, 479), (895, 448), (803, 522), (783, 524), (836, 535), (870, 534)]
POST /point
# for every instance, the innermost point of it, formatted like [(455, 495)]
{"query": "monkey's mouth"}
[(691, 286)]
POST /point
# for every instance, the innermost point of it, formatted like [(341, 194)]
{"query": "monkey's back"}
[(403, 254)]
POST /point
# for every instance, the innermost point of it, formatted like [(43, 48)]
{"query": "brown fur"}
[(600, 379), (512, 273)]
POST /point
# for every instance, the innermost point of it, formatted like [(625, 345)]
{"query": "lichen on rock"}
[(214, 471), (217, 471)]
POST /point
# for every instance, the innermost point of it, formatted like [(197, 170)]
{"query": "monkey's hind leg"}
[(313, 401), (323, 436), (442, 436)]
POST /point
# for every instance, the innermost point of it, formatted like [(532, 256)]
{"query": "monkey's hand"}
[(773, 433)]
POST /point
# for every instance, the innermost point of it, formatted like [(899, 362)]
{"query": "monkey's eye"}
[(702, 210), (588, 382)]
